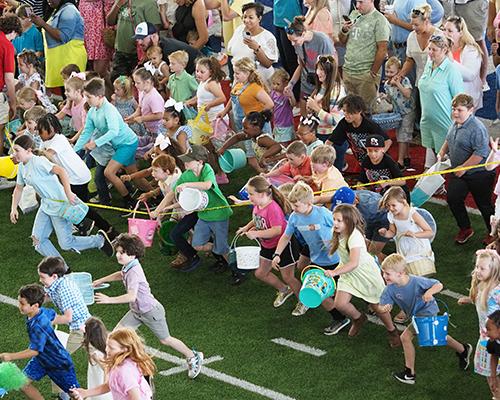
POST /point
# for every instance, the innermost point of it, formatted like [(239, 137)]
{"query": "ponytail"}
[(261, 185)]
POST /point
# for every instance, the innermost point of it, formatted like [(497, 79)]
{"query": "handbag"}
[(74, 213), (108, 33), (201, 127), (28, 200)]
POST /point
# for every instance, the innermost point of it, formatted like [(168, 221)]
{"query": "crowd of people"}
[(151, 94)]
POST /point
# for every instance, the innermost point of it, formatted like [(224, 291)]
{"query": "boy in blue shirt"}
[(48, 356), (315, 226), (414, 295), (31, 38)]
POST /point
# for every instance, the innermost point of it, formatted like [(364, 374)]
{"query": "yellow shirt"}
[(331, 179)]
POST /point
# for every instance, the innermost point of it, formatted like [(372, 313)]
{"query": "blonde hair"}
[(125, 83), (27, 94), (262, 185), (297, 148), (133, 348), (286, 188), (394, 262), (423, 12), (466, 39), (301, 192), (281, 74), (180, 56), (393, 193), (247, 65), (393, 61), (323, 154), (35, 113), (352, 220), (154, 50), (483, 289), (75, 83)]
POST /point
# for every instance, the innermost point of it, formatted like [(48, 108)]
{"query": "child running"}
[(415, 296), (144, 308), (127, 364), (267, 225), (485, 295), (359, 275)]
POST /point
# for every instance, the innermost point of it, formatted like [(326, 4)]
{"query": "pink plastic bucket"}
[(144, 228)]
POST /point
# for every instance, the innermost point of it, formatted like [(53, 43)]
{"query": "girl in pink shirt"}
[(267, 226), (75, 106), (150, 110), (126, 364)]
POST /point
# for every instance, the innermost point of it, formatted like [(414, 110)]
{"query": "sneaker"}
[(486, 87), (464, 357), (107, 247), (394, 339), (6, 184), (495, 122), (300, 309), (401, 167), (336, 326), (405, 376), (194, 364), (345, 167), (191, 264), (63, 396), (85, 227), (464, 235), (488, 239), (357, 324), (237, 278), (281, 297)]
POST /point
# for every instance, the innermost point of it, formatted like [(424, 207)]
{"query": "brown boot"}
[(394, 339), (179, 261), (356, 325)]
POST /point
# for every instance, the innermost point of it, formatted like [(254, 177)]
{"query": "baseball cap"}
[(343, 195), (375, 141), (144, 29), (195, 153)]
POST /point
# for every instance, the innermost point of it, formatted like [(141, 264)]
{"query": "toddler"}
[(307, 131), (157, 66), (283, 130)]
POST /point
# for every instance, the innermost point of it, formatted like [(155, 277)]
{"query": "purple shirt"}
[(134, 279), (151, 103), (283, 110)]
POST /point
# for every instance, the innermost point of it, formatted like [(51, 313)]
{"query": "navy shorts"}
[(65, 378)]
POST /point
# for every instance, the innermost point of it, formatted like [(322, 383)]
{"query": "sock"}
[(336, 315)]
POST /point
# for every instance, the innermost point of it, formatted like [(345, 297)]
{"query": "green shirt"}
[(215, 196), (182, 87), (362, 41), (142, 11)]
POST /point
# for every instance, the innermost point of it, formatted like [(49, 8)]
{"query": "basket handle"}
[(308, 268), (137, 206), (235, 239)]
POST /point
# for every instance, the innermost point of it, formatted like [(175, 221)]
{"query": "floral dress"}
[(126, 108), (93, 16), (482, 357)]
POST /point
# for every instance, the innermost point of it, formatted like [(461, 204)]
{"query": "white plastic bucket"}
[(193, 199), (247, 257)]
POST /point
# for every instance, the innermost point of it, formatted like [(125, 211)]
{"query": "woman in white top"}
[(467, 56), (252, 41), (418, 41)]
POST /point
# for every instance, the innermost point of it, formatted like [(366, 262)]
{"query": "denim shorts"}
[(217, 230), (125, 154)]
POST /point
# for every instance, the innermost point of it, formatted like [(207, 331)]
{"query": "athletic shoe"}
[(464, 235), (464, 357), (357, 324), (281, 297), (63, 396), (336, 326), (496, 121), (85, 227), (107, 247), (194, 364), (191, 264), (300, 309), (405, 376)]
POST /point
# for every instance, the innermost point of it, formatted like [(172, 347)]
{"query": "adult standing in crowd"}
[(439, 83), (466, 144), (94, 18), (319, 18), (366, 36), (467, 55), (338, 8), (10, 27), (63, 40), (308, 45), (146, 35), (191, 15), (252, 41), (126, 15)]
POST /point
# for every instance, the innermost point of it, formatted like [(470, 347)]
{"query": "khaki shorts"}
[(154, 320), (4, 109), (475, 14), (363, 85)]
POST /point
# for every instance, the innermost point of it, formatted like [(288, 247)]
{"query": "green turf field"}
[(238, 323)]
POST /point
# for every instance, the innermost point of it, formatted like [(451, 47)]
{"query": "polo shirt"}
[(134, 279), (31, 39), (182, 87)]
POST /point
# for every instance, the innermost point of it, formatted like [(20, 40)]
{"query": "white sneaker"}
[(281, 297), (6, 184), (194, 364), (300, 309), (486, 87), (495, 122)]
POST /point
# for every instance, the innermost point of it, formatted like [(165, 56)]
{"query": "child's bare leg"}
[(455, 344), (264, 274), (288, 275), (402, 152), (110, 172), (343, 303), (178, 346), (141, 183), (375, 248), (31, 392), (385, 317), (302, 263), (252, 161), (408, 349)]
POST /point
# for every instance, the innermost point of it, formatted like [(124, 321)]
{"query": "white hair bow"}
[(80, 75), (178, 106), (150, 67), (162, 141)]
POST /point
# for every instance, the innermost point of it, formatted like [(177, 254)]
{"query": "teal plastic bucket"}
[(83, 281), (316, 287), (232, 160)]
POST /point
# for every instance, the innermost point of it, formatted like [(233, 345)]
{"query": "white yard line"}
[(374, 319), (299, 347), (232, 380), (182, 368), (452, 294)]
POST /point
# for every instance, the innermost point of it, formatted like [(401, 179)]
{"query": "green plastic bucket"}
[(232, 160), (316, 286), (166, 246)]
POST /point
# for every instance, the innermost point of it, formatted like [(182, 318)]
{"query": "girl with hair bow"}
[(174, 122)]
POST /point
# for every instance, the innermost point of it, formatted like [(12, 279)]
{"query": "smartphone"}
[(28, 11), (346, 18), (246, 34)]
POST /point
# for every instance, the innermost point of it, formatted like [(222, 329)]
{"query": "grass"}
[(239, 322)]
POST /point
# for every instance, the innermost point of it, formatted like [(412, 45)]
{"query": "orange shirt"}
[(304, 169), (248, 98)]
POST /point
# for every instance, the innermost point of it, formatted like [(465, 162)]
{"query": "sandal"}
[(179, 260), (400, 318)]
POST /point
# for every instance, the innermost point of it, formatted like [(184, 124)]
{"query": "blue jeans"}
[(340, 152), (42, 229)]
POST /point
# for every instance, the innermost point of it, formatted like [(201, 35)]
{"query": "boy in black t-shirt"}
[(493, 347), (380, 166), (355, 127)]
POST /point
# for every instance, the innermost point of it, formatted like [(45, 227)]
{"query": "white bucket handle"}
[(235, 240)]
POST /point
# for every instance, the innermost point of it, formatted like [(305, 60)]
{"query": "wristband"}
[(276, 255)]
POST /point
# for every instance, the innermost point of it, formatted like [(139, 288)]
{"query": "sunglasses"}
[(324, 59), (417, 12), (437, 38), (292, 31)]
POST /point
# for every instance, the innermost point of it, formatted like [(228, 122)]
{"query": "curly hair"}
[(11, 24)]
